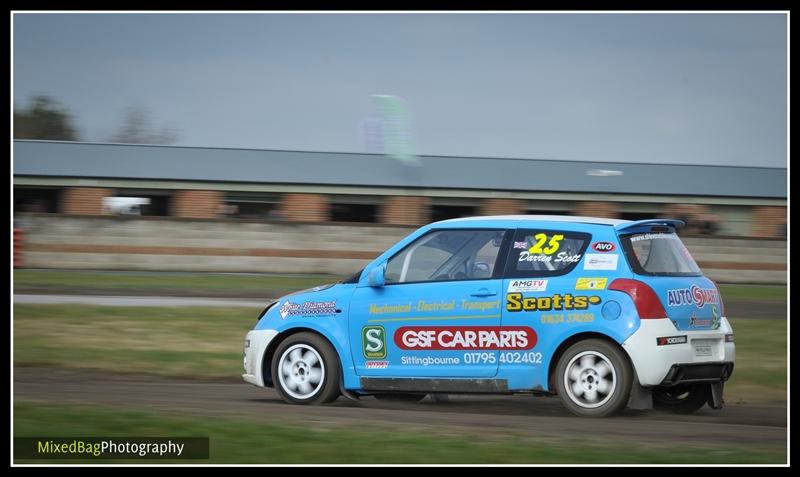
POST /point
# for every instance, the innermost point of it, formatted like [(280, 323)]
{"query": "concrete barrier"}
[(124, 243)]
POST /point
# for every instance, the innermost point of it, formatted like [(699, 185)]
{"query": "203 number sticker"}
[(508, 357)]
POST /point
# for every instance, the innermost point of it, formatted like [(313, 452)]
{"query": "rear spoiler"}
[(674, 223)]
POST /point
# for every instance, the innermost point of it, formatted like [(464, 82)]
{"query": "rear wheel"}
[(593, 378), (306, 370), (682, 399)]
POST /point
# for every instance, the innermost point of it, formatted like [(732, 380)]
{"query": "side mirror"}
[(377, 276)]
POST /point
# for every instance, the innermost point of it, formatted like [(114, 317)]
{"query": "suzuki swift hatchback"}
[(603, 313)]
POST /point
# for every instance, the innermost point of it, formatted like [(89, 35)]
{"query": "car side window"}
[(545, 253), (446, 255)]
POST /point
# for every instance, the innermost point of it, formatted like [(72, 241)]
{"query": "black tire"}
[(400, 397), (602, 390), (292, 388), (682, 399)]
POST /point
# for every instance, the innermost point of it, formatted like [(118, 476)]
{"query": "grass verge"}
[(191, 341), (238, 285), (207, 342), (732, 292), (236, 441)]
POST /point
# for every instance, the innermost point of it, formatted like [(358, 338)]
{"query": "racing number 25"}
[(552, 245)]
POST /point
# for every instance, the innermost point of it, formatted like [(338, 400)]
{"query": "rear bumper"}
[(697, 373), (671, 364)]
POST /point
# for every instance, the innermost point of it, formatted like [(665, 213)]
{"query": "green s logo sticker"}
[(373, 341)]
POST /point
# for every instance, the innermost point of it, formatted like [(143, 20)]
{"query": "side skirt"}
[(435, 385)]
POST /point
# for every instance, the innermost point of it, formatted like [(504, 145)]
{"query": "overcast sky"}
[(676, 88)]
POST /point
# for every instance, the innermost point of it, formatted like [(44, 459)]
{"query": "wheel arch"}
[(266, 362), (571, 340)]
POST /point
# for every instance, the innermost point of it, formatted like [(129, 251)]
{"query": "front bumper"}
[(255, 344), (671, 364)]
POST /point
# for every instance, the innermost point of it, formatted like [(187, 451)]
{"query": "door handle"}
[(483, 292)]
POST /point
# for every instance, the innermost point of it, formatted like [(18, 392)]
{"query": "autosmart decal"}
[(465, 337), (695, 295), (567, 301), (309, 308), (591, 284), (600, 261), (527, 285), (373, 342), (603, 247)]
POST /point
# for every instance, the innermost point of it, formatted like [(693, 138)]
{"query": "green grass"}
[(207, 342), (193, 341), (164, 283), (239, 285), (236, 441), (760, 372), (753, 292)]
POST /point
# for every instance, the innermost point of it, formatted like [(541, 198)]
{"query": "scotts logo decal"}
[(695, 295), (567, 301), (465, 337), (373, 341), (603, 247)]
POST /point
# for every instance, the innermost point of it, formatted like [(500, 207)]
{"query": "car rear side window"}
[(545, 253), (659, 254)]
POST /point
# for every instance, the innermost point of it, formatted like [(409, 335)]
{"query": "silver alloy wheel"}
[(302, 371), (590, 379)]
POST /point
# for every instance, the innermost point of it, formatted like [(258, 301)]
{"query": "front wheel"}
[(594, 378), (682, 399), (305, 369)]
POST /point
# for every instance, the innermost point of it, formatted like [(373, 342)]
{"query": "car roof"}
[(537, 218)]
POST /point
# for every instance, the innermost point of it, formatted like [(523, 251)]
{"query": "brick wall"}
[(676, 211), (596, 209), (196, 204), (769, 221), (84, 200), (305, 207), (405, 210), (501, 207)]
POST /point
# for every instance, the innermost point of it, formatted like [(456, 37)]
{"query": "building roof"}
[(128, 161)]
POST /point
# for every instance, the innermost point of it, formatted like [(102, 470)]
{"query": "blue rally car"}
[(603, 313)]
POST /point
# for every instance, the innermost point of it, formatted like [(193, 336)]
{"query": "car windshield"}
[(353, 278), (661, 254)]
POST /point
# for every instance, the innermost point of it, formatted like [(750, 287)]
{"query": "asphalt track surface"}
[(541, 418)]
